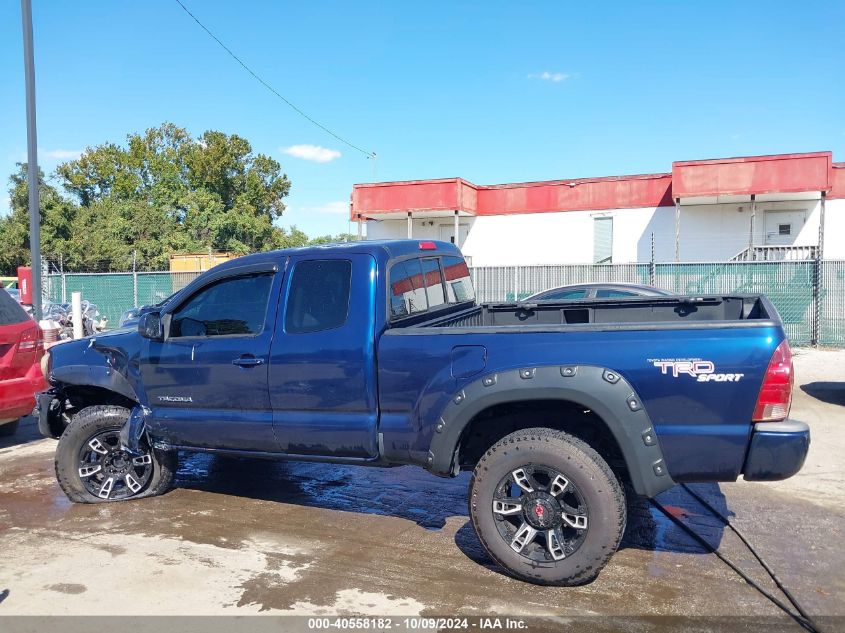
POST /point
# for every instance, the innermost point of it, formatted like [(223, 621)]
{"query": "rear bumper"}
[(17, 395), (777, 450)]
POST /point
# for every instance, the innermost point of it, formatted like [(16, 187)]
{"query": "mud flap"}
[(133, 430)]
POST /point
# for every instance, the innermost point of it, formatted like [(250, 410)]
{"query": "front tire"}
[(92, 467), (547, 507)]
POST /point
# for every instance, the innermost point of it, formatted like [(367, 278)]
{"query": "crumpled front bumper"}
[(49, 413), (777, 450)]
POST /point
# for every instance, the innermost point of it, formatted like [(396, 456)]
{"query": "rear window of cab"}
[(424, 284)]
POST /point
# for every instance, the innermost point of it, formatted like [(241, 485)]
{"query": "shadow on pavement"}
[(413, 494), (405, 492), (649, 529), (830, 392), (27, 432)]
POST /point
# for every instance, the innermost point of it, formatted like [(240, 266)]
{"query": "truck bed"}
[(627, 313), (703, 427)]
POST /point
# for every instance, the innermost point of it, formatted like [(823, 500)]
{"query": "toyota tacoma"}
[(377, 353)]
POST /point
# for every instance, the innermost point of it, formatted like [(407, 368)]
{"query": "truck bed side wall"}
[(703, 427)]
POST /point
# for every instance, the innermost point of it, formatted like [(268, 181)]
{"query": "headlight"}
[(46, 362)]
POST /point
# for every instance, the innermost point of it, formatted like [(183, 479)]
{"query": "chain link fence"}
[(831, 308), (792, 287), (114, 293), (515, 283)]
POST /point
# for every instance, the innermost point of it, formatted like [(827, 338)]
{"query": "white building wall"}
[(721, 231), (635, 229), (834, 229), (711, 232), (708, 233), (423, 229), (535, 238), (531, 238)]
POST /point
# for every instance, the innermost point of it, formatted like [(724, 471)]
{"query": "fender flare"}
[(602, 390), (94, 376)]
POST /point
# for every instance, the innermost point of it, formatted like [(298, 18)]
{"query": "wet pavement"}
[(248, 536)]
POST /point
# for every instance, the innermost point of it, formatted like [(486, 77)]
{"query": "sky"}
[(490, 91)]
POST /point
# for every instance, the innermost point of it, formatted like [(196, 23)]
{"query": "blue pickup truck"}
[(377, 353)]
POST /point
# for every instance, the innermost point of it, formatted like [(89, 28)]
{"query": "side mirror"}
[(150, 326)]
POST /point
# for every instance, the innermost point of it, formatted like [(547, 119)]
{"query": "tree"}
[(162, 192), (166, 192), (57, 218), (329, 239)]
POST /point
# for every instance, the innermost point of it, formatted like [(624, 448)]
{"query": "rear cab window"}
[(407, 295), (428, 284), (459, 286), (433, 282)]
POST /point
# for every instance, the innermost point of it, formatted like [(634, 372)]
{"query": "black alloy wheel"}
[(540, 513), (93, 467), (109, 472)]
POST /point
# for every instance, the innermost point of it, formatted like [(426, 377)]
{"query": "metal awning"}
[(767, 178)]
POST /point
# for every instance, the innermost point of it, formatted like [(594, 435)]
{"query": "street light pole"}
[(32, 158)]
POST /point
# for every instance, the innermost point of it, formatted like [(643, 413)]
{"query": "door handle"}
[(248, 361)]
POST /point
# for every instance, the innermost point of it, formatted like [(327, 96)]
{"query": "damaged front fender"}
[(133, 430), (107, 361), (101, 376)]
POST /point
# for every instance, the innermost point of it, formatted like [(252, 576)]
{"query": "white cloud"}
[(547, 76), (312, 152), (62, 154), (336, 207)]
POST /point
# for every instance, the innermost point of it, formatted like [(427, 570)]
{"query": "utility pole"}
[(652, 268), (135, 278), (751, 227), (677, 230), (32, 158)]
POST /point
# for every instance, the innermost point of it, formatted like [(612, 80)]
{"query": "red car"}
[(21, 350)]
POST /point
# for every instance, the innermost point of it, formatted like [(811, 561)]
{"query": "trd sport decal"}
[(701, 370)]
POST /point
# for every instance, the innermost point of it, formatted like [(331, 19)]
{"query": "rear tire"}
[(10, 428), (547, 507), (91, 467)]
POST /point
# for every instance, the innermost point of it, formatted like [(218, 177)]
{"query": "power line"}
[(370, 155)]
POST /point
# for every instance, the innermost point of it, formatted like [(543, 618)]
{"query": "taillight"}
[(776, 393), (31, 340), (428, 246)]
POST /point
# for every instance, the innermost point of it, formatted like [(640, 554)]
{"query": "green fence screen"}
[(113, 293), (791, 286)]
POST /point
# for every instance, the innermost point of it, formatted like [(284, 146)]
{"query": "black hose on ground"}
[(804, 622), (751, 549)]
